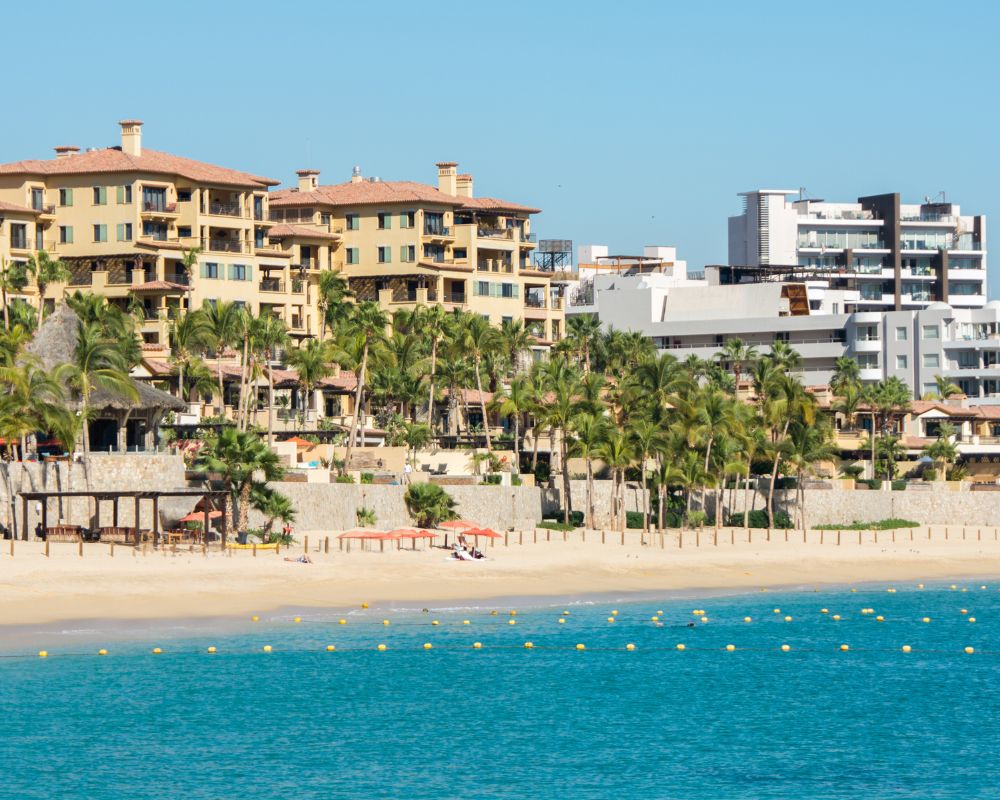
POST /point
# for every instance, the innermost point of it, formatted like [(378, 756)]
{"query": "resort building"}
[(123, 219), (404, 243), (893, 255)]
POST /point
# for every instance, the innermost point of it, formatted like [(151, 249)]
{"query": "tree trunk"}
[(222, 394), (245, 506), (567, 499), (41, 302), (180, 378), (270, 404), (774, 478), (534, 442), (645, 499), (430, 391), (746, 502), (482, 406), (704, 488), (517, 447), (228, 511), (357, 406), (6, 315), (590, 493), (86, 422), (661, 492), (244, 364)]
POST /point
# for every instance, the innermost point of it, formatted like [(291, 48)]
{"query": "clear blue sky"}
[(629, 123)]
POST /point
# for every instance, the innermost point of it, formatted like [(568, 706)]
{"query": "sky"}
[(628, 123)]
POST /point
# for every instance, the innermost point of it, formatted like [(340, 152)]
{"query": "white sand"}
[(130, 585)]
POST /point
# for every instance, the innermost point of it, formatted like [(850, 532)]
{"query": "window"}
[(125, 232), (100, 233), (352, 256), (407, 219), (39, 237), (154, 199), (460, 254), (900, 362), (901, 333), (353, 222), (868, 360), (434, 223), (931, 332), (408, 253), (210, 270), (324, 218), (240, 272), (929, 388), (37, 199), (932, 360), (100, 195), (65, 197), (384, 254), (968, 359), (434, 252), (184, 232), (65, 234), (481, 288), (867, 333), (508, 290), (384, 220), (183, 195), (124, 194)]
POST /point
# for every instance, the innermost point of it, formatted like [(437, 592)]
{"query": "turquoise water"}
[(505, 722)]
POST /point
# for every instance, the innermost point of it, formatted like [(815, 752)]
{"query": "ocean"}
[(504, 721)]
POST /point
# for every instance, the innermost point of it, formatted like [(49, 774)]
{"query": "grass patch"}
[(878, 525), (551, 525)]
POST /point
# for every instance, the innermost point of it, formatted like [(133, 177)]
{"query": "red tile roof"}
[(283, 230), (472, 395), (384, 192), (159, 286), (114, 160), (13, 207)]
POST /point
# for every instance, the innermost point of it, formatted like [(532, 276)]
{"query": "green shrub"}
[(366, 517), (633, 519), (575, 517), (492, 480), (695, 519), (929, 474), (958, 472), (552, 525), (515, 480), (344, 479), (367, 477), (852, 471), (758, 519), (873, 483), (899, 485), (542, 473), (429, 504), (893, 523)]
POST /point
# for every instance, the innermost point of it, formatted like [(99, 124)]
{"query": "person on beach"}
[(302, 559)]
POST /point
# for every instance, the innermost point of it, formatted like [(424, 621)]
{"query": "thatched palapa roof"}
[(55, 343)]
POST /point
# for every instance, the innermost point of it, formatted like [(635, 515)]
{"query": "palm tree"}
[(190, 335), (846, 375), (477, 339), (945, 387), (590, 433), (97, 363), (333, 294), (647, 438), (715, 416), (515, 342), (415, 436), (47, 270), (312, 363), (368, 322), (269, 335), (582, 331), (788, 404), (808, 446), (432, 324), (235, 457), (885, 399), (943, 451), (13, 278), (514, 402), (189, 260), (618, 452), (735, 354), (222, 318), (560, 412), (34, 400), (429, 504), (273, 505)]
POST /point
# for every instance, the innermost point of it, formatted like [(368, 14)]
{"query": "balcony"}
[(181, 278), (224, 246), (494, 265), (298, 286), (272, 285), (454, 298), (156, 209), (534, 302), (495, 233), (224, 210), (439, 232)]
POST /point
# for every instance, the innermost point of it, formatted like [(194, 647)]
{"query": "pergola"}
[(115, 497)]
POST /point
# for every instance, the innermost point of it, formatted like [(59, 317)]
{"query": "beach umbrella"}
[(412, 535), (199, 516), (457, 525), (300, 442), (489, 533)]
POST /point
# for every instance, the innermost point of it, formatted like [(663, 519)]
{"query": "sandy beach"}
[(130, 585)]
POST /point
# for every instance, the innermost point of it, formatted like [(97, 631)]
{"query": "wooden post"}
[(79, 548), (859, 537), (46, 546), (277, 547), (225, 526), (45, 519), (520, 537), (822, 536), (911, 534), (548, 534), (204, 548), (305, 545), (603, 532), (963, 533), (326, 545), (24, 520), (135, 520), (979, 534), (946, 533), (894, 536), (838, 538), (12, 546), (875, 532), (583, 535), (716, 542), (114, 511), (928, 533), (156, 521), (623, 537), (732, 536), (341, 542), (506, 543), (680, 540), (254, 545), (536, 536)]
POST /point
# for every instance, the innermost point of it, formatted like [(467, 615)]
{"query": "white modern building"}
[(895, 256)]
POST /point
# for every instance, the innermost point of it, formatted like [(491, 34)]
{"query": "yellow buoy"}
[(730, 647), (477, 645), (963, 611), (381, 648), (212, 649), (836, 617), (528, 645), (255, 618), (330, 648), (880, 619), (565, 613), (654, 619), (157, 651), (267, 648), (953, 587), (891, 591), (680, 647), (512, 622), (513, 613), (385, 622), (785, 648), (970, 650), (982, 587), (614, 612), (493, 613), (926, 619), (777, 611), (747, 619), (920, 586), (465, 622), (907, 648), (853, 590), (43, 653), (788, 619), (703, 619), (844, 647), (964, 589), (824, 611), (102, 652), (364, 605), (342, 622), (611, 619), (659, 613), (297, 620), (435, 622), (972, 619), (630, 647), (581, 647), (561, 621), (428, 646)]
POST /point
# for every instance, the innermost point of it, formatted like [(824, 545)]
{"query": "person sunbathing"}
[(302, 559)]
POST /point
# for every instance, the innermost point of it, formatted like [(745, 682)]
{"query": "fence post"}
[(838, 538), (680, 540), (254, 549), (79, 547), (46, 546), (326, 545)]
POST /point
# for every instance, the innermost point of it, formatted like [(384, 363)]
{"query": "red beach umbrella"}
[(199, 516), (457, 525), (487, 532)]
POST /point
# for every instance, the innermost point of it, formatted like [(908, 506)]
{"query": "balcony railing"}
[(495, 233), (454, 298), (529, 237), (178, 277), (438, 230), (272, 285), (298, 286), (557, 303), (225, 209), (534, 302), (494, 266), (44, 209), (224, 245), (159, 208)]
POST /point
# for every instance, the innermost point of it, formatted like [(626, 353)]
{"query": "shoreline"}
[(134, 588)]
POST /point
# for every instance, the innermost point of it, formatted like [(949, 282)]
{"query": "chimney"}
[(131, 136), (66, 150), (463, 185), (447, 174), (308, 179), (356, 174)]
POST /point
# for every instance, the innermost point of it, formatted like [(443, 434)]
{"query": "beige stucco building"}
[(405, 243)]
